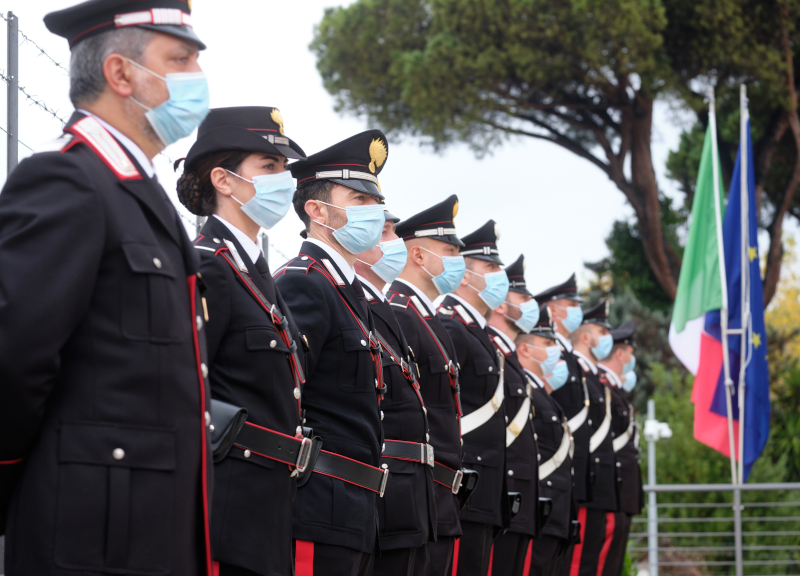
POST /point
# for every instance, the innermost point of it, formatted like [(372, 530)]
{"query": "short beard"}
[(337, 220)]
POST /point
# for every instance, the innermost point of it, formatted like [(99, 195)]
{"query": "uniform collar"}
[(505, 338), (252, 249), (129, 144), (564, 342), (371, 286), (591, 364), (420, 294), (471, 309), (348, 271), (611, 375), (535, 378)]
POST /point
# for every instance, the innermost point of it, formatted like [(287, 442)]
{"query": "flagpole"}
[(723, 313), (745, 316)]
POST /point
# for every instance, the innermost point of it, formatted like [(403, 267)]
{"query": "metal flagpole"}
[(12, 100), (745, 333), (723, 313)]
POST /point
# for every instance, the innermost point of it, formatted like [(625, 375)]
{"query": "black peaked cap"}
[(624, 333), (388, 216), (87, 19), (482, 244), (516, 276), (544, 327), (567, 290), (597, 314), (243, 128), (355, 163), (436, 222)]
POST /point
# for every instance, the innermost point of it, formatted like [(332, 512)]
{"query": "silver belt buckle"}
[(383, 482), (457, 481), (430, 455), (304, 455)]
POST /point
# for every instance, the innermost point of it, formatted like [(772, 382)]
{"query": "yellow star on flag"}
[(753, 253), (756, 339)]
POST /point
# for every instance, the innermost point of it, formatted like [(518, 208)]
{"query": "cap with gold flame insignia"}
[(436, 222)]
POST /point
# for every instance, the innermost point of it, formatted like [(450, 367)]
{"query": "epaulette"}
[(333, 272), (301, 263), (398, 300), (207, 243), (419, 306), (463, 314), (60, 144), (501, 345), (583, 364), (89, 131), (236, 257), (446, 310)]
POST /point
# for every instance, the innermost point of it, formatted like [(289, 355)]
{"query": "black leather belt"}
[(352, 471), (274, 445), (414, 451), (448, 477)]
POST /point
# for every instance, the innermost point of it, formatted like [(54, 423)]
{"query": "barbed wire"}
[(42, 52), (18, 140), (39, 103)]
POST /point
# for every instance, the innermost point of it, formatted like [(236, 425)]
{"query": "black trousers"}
[(315, 559), (619, 543), (560, 565), (597, 532), (403, 562), (472, 555), (510, 555), (220, 569), (440, 554), (545, 551)]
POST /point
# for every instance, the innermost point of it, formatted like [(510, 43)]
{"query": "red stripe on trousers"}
[(215, 569), (455, 556), (491, 557), (303, 558), (578, 550), (526, 570), (610, 521)]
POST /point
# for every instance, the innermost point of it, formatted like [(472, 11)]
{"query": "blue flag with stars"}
[(756, 375)]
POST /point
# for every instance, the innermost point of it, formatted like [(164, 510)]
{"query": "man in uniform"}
[(463, 313), (592, 343), (517, 314), (554, 441), (337, 199), (616, 373), (104, 450), (407, 512), (432, 268)]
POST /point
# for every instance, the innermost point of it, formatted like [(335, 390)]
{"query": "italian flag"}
[(700, 292)]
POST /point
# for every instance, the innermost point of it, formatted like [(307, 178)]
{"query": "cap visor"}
[(360, 186), (544, 333), (389, 217), (184, 32), (231, 138), (520, 290)]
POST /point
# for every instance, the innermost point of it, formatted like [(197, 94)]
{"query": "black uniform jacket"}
[(417, 323), (630, 495), (251, 520), (572, 399), (407, 511), (340, 399), (522, 469), (485, 447), (602, 463), (547, 419), (103, 402)]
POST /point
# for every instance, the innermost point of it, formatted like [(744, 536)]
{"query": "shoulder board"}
[(332, 270), (91, 132), (397, 300), (603, 376), (302, 263), (465, 317), (583, 364), (419, 306), (501, 345), (446, 310), (57, 145), (236, 258), (207, 243)]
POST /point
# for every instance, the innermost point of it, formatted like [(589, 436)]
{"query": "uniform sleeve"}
[(218, 299), (409, 329), (309, 306), (51, 243)]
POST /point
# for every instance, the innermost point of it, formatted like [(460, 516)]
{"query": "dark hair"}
[(310, 190), (195, 190)]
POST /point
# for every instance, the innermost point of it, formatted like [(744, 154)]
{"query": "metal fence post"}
[(652, 510), (737, 529), (12, 115)]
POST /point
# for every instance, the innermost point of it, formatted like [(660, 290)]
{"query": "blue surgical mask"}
[(574, 318), (630, 381), (392, 262), (496, 288), (630, 365), (450, 278), (559, 376), (363, 230), (272, 200), (530, 315), (183, 111), (553, 358), (604, 346)]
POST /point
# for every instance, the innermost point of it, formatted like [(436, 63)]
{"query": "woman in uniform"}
[(235, 175)]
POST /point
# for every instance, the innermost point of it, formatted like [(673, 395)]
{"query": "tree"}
[(582, 74)]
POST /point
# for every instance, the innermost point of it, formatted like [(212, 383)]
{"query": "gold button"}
[(157, 262), (118, 453)]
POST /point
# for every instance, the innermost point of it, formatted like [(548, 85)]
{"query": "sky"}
[(549, 204)]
